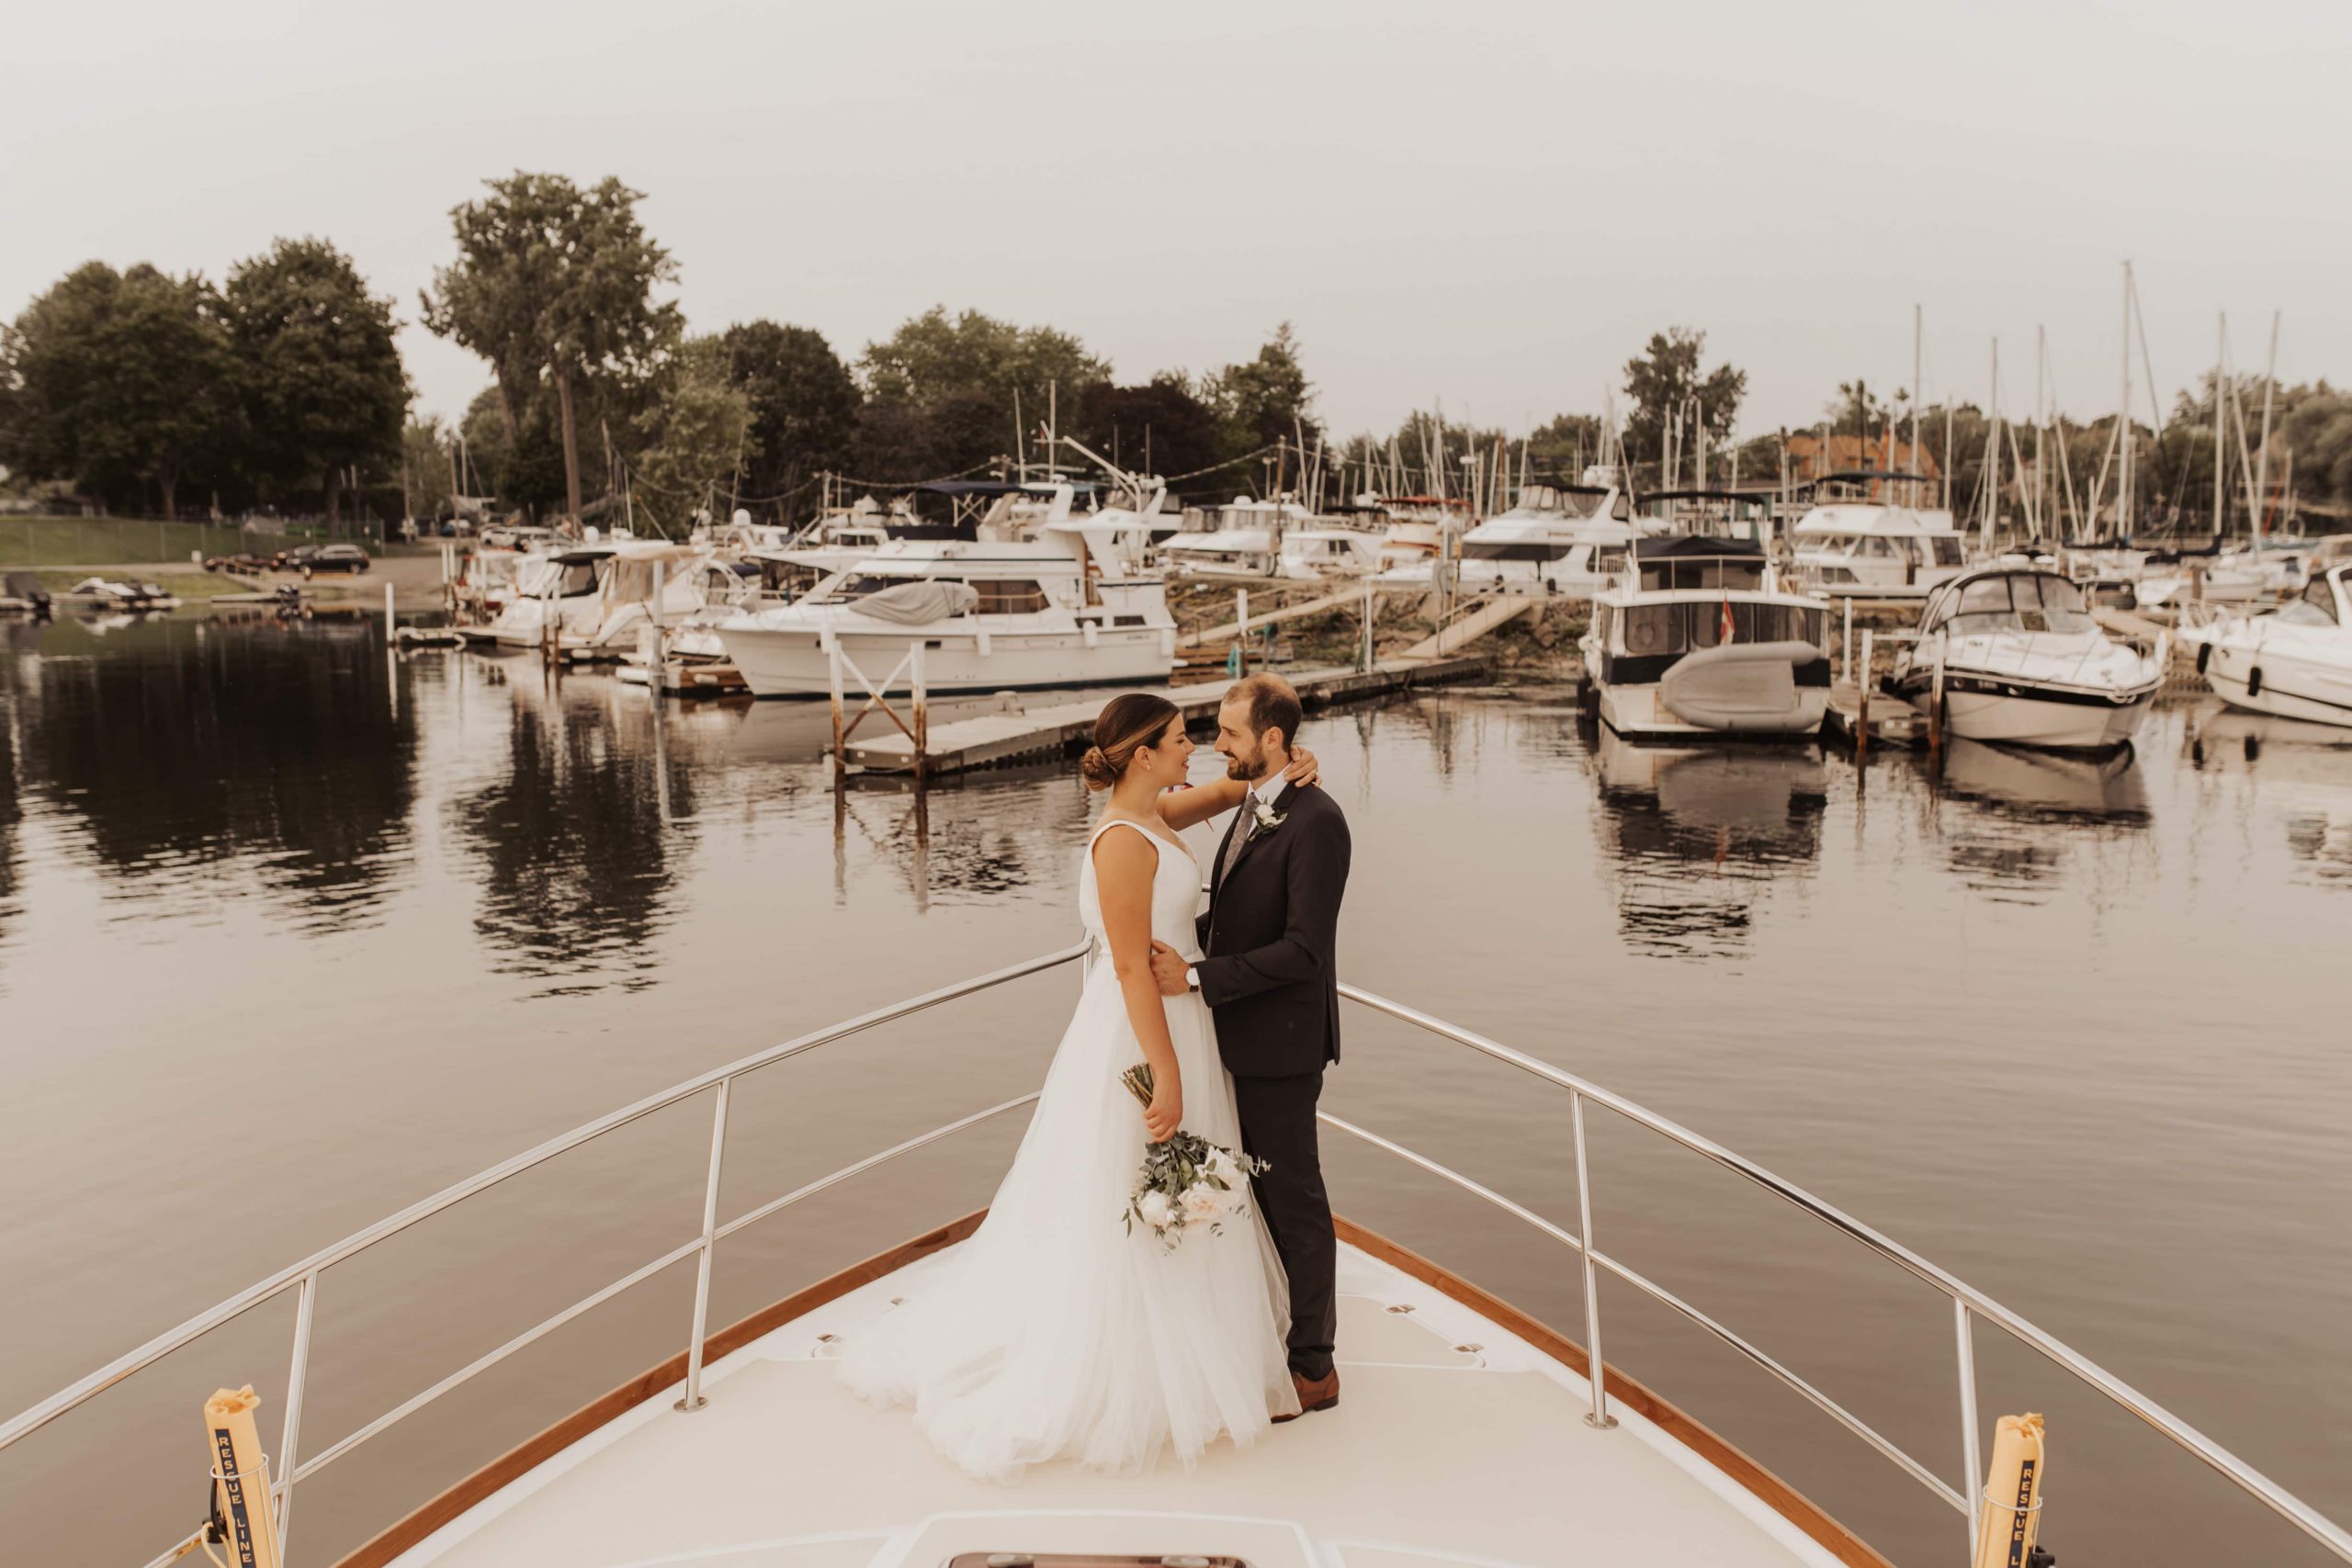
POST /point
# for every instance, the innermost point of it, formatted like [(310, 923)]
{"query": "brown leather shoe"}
[(1314, 1393)]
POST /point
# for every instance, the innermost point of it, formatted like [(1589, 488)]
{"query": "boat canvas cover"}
[(1739, 686), (24, 585), (915, 603)]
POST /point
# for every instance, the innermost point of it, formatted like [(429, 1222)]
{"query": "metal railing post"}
[(692, 1399), (1971, 1485), (1598, 1416), (298, 1373)]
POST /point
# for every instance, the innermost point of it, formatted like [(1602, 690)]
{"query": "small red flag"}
[(1724, 636)]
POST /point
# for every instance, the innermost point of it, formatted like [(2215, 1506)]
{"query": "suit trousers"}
[(1278, 1126)]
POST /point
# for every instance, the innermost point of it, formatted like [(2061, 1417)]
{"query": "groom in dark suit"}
[(1272, 986)]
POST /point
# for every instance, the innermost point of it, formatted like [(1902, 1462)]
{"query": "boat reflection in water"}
[(2003, 845), (1753, 813), (2310, 760)]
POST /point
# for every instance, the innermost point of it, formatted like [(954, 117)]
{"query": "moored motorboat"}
[(591, 600), (1565, 539), (1071, 608), (122, 594), (1241, 540), (25, 593), (2295, 661), (2013, 655), (1869, 546), (1695, 637)]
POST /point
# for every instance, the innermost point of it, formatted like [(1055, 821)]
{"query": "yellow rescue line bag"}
[(240, 1478), (2009, 1514)]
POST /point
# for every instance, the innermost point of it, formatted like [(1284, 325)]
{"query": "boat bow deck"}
[(1456, 1441)]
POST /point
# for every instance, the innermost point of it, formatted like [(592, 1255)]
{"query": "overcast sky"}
[(1491, 204)]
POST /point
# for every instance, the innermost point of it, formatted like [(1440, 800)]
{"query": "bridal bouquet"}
[(1186, 1183)]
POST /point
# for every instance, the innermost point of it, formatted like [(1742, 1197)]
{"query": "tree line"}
[(283, 386), (139, 388)]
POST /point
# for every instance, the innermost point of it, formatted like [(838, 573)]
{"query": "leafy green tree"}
[(933, 358), (948, 393), (324, 389), (1162, 427), (696, 433), (2319, 433), (118, 381), (426, 467), (557, 283), (1664, 379), (803, 404), (1265, 400), (1857, 411)]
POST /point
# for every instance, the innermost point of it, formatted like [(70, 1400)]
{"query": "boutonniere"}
[(1267, 819)]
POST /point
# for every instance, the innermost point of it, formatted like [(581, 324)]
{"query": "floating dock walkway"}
[(1039, 731)]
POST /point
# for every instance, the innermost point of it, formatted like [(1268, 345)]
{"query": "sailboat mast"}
[(2123, 422), (1915, 357), (1992, 450), (2040, 416), (2262, 458), (2220, 358)]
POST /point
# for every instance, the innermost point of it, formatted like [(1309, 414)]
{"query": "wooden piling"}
[(1936, 709), (1862, 700), (921, 735), (841, 759)]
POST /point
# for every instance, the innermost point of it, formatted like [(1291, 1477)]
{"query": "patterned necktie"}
[(1241, 831)]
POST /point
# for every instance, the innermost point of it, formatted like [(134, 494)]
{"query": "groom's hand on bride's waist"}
[(1168, 967)]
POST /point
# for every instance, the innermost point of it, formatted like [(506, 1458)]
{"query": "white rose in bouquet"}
[(1152, 1209), (1203, 1202)]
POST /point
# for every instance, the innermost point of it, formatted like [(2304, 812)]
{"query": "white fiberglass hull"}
[(1638, 714), (2248, 674), (792, 664), (2055, 723)]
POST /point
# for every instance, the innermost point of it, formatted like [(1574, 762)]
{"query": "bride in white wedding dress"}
[(1053, 1332)]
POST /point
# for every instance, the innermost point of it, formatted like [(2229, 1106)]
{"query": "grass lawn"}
[(109, 541)]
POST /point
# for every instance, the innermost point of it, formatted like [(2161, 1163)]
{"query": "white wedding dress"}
[(1053, 1333)]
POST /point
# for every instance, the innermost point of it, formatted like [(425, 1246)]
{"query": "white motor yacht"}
[(2295, 661), (1695, 637), (1241, 540), (592, 599), (2013, 652), (2250, 574), (1556, 539), (1416, 528), (1071, 608), (1858, 543), (1326, 547), (1471, 1433)]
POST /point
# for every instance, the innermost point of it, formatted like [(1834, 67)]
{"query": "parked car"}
[(335, 558)]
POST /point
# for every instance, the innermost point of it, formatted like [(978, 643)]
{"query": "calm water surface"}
[(290, 936)]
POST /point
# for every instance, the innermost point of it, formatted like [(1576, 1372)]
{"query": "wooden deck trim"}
[(1761, 1483), (528, 1455), (524, 1457)]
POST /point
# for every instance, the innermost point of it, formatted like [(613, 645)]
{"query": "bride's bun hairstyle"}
[(1130, 720)]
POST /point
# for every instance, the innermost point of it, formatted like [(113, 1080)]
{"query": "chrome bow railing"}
[(1968, 1304)]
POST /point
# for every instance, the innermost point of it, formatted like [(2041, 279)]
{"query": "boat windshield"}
[(2026, 601), (2316, 607), (1579, 502), (1679, 627)]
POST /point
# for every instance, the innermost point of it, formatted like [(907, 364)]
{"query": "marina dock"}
[(1033, 731)]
